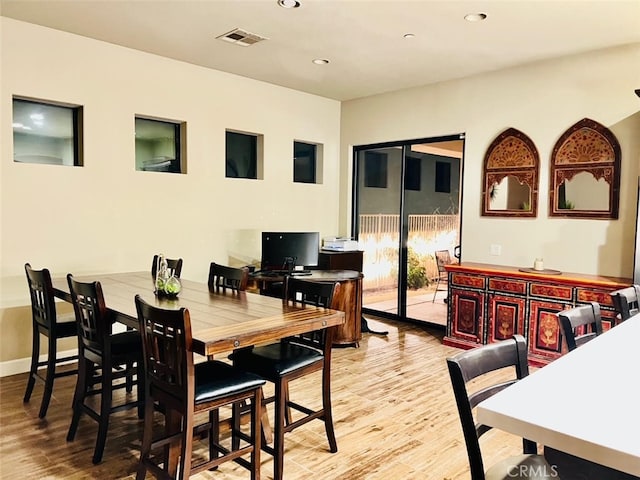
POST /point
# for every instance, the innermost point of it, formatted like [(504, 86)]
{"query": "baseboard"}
[(22, 365)]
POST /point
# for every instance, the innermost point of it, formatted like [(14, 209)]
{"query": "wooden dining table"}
[(221, 321), (585, 403)]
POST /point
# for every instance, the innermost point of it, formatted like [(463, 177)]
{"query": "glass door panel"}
[(432, 214), (406, 207), (378, 197)]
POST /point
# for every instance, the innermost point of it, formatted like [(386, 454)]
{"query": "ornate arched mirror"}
[(510, 183), (585, 173)]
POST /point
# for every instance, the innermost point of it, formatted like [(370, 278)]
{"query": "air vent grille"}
[(241, 37)]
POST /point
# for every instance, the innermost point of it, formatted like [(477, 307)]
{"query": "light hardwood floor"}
[(394, 415)]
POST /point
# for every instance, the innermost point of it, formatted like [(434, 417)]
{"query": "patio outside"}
[(379, 239)]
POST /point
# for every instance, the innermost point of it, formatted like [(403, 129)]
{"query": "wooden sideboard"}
[(489, 303)]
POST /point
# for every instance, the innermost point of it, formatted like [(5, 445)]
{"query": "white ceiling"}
[(363, 40)]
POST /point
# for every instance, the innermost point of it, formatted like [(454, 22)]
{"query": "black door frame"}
[(404, 228)]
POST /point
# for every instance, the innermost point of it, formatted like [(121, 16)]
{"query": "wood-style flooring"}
[(394, 416)]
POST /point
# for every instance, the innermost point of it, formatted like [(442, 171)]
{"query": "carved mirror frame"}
[(589, 147), (512, 153)]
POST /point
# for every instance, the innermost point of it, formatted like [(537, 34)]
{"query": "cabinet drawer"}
[(558, 292), (602, 297), (508, 286), (464, 280)]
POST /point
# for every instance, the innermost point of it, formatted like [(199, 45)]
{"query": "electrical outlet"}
[(496, 249)]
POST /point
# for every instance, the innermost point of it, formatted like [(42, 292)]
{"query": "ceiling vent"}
[(241, 37)]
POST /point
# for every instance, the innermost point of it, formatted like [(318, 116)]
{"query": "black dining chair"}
[(183, 389), (106, 362), (46, 322), (223, 277), (174, 265), (626, 302), (293, 358), (580, 324), (473, 364)]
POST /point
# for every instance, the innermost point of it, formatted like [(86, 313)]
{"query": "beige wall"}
[(106, 216), (542, 100)]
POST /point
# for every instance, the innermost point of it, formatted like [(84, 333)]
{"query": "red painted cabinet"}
[(489, 303)]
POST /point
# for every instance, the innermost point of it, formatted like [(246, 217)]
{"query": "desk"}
[(220, 322), (584, 403), (349, 298)]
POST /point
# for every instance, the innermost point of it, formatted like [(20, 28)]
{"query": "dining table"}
[(585, 403), (221, 320)]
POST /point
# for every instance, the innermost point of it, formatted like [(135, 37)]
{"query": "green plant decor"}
[(566, 205), (417, 275), (526, 206)]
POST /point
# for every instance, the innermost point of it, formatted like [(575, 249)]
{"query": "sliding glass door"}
[(406, 207)]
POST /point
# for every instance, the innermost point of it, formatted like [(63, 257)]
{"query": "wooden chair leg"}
[(105, 410), (51, 374), (187, 448), (214, 430), (328, 414), (256, 434), (172, 451), (35, 356), (147, 439), (84, 370), (281, 388)]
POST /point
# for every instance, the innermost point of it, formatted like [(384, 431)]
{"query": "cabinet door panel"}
[(467, 309), (545, 335), (506, 317)]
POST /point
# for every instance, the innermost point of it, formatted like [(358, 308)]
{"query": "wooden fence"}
[(379, 238)]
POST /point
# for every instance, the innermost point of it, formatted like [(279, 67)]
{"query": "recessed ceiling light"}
[(475, 17), (289, 3), (320, 61), (409, 35)]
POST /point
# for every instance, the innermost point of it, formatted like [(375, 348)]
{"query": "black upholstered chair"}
[(182, 390), (580, 324), (173, 264), (223, 277), (102, 356), (625, 301), (293, 358), (474, 363), (45, 321)]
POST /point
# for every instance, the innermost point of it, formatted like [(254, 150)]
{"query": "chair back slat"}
[(223, 277), (581, 324), (166, 346), (92, 316), (43, 305), (316, 294)]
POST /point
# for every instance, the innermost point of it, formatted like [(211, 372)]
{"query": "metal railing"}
[(379, 237)]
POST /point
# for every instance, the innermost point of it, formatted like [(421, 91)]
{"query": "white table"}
[(585, 403)]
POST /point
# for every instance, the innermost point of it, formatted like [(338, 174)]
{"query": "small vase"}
[(172, 287)]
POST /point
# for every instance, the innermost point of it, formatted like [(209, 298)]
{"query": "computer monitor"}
[(286, 250)]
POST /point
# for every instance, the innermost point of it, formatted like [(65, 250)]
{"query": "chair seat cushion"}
[(214, 379), (530, 467), (277, 359), (66, 329), (126, 343)]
